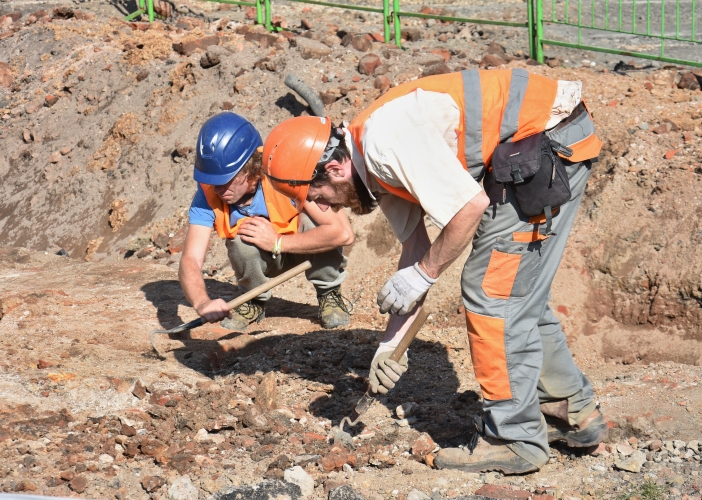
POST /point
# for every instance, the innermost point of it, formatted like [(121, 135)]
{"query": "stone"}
[(382, 82), (693, 445), (670, 153), (628, 464), (67, 475), (305, 24), (491, 61), (25, 485), (411, 34), (63, 13), (311, 437), (78, 484), (27, 136), (263, 39), (227, 106), (423, 445), (267, 392), (105, 459), (265, 490), (553, 62), (187, 48), (311, 49), (50, 100), (139, 390), (502, 491), (65, 151), (344, 492), (678, 444), (688, 81), (212, 56), (32, 107), (297, 475), (253, 417), (142, 75), (329, 97), (444, 54), (417, 495), (333, 461), (436, 69), (368, 64), (655, 445), (625, 449), (362, 43), (44, 364), (406, 410), (152, 483), (182, 489)]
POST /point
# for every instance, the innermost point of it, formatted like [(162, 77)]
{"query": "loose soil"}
[(105, 173)]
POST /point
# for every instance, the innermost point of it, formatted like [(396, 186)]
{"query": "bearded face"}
[(351, 193)]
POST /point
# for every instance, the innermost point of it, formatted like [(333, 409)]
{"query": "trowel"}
[(343, 437), (251, 294)]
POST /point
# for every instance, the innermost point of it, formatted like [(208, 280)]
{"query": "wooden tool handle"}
[(271, 283), (410, 335)]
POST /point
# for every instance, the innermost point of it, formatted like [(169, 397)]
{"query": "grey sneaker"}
[(334, 309), (244, 315)]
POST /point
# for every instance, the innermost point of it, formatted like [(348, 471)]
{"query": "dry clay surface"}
[(103, 170)]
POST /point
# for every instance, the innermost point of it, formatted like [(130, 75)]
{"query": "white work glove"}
[(384, 373), (401, 292)]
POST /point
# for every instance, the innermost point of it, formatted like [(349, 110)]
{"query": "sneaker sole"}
[(526, 468), (590, 436)]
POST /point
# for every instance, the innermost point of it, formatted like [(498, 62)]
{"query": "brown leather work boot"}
[(591, 431), (490, 454), (244, 315)]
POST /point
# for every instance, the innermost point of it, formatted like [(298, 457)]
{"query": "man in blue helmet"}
[(265, 235)]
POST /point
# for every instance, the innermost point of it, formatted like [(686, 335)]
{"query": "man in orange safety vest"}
[(422, 149)]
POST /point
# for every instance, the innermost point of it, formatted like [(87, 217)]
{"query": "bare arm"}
[(333, 230), (190, 275), (435, 258)]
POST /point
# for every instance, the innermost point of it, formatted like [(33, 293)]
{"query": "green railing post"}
[(538, 22), (269, 25), (386, 21), (662, 28), (259, 11), (530, 29), (150, 7), (396, 22)]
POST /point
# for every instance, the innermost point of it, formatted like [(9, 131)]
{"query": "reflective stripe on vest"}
[(496, 106), (281, 211)]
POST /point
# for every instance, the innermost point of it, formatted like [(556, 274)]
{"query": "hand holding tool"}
[(367, 400), (251, 294)]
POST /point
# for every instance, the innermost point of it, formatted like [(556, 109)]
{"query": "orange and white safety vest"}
[(281, 211), (496, 106)]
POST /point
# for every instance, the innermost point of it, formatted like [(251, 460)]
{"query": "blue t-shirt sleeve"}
[(200, 213)]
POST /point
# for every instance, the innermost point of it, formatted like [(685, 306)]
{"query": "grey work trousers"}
[(253, 266), (517, 345)]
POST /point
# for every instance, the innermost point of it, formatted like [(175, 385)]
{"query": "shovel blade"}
[(363, 404)]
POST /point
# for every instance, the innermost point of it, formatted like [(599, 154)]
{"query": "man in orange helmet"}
[(423, 148), (265, 235)]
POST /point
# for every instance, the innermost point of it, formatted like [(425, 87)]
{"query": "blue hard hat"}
[(225, 144)]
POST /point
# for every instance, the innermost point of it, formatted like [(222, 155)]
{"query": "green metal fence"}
[(585, 19), (671, 25)]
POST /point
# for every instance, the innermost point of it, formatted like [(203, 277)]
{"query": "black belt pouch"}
[(532, 168)]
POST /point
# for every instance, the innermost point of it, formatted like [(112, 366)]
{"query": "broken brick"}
[(368, 64), (187, 48)]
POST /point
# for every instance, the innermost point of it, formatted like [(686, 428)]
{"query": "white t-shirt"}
[(411, 142)]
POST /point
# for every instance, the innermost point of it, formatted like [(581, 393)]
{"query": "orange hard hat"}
[(291, 153)]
